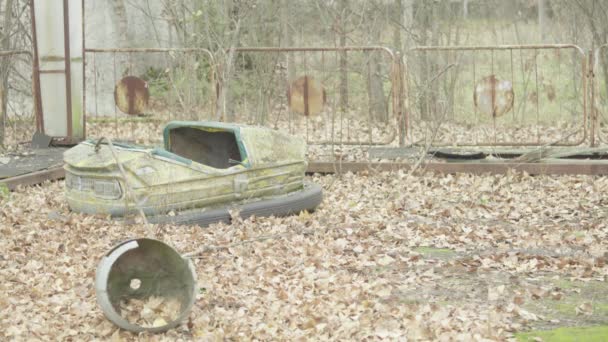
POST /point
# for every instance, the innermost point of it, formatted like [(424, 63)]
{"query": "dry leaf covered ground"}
[(386, 256)]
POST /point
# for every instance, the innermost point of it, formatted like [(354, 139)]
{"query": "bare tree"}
[(341, 29), (5, 64), (375, 88)]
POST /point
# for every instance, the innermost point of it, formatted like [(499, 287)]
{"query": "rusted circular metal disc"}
[(493, 96), (131, 95), (306, 88)]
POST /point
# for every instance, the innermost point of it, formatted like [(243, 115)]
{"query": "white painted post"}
[(60, 67)]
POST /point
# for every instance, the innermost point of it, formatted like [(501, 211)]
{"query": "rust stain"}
[(306, 96), (493, 96), (131, 95)]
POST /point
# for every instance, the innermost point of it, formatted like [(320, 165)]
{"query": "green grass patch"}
[(588, 334), (435, 252), (5, 193)]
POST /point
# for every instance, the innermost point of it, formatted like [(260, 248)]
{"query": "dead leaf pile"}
[(151, 312), (356, 268)]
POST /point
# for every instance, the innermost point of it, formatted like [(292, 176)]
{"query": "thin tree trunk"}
[(225, 77), (424, 70), (343, 7), (542, 18), (377, 100), (5, 65), (122, 23), (397, 25), (287, 39)]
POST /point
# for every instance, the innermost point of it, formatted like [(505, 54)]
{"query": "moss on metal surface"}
[(273, 164)]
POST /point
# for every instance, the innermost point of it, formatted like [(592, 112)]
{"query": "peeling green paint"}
[(273, 163), (77, 124)]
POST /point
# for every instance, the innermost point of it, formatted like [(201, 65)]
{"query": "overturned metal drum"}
[(145, 285)]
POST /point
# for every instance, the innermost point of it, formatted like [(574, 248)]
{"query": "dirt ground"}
[(386, 256)]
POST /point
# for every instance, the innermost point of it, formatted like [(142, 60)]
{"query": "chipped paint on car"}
[(273, 164)]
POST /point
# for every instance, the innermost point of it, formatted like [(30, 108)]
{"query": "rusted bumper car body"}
[(204, 170)]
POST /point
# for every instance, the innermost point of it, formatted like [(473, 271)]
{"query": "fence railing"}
[(356, 102), (505, 95), (599, 94), (178, 84)]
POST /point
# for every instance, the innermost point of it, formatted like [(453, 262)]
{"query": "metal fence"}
[(506, 95), (17, 117), (357, 91), (599, 94), (179, 84), (346, 98)]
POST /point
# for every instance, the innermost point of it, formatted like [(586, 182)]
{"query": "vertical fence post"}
[(398, 97), (593, 109)]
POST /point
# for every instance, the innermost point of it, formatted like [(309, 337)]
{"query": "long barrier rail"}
[(499, 95), (177, 82), (559, 92), (599, 93), (351, 107)]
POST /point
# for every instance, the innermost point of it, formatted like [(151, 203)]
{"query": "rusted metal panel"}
[(306, 96), (493, 96), (131, 95)]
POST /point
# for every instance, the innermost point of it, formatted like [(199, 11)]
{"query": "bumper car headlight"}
[(102, 188), (108, 189)]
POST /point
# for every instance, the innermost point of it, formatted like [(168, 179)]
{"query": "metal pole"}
[(68, 72), (36, 74)]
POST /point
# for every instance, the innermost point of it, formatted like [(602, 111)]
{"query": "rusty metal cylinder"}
[(145, 285)]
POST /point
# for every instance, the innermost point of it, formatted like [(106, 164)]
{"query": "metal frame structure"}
[(400, 113), (399, 92), (37, 71), (597, 112), (130, 51), (397, 74), (535, 47)]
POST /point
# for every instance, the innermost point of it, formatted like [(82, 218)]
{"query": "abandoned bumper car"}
[(204, 171)]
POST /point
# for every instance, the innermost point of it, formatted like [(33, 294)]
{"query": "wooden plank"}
[(31, 161), (549, 167), (33, 178)]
